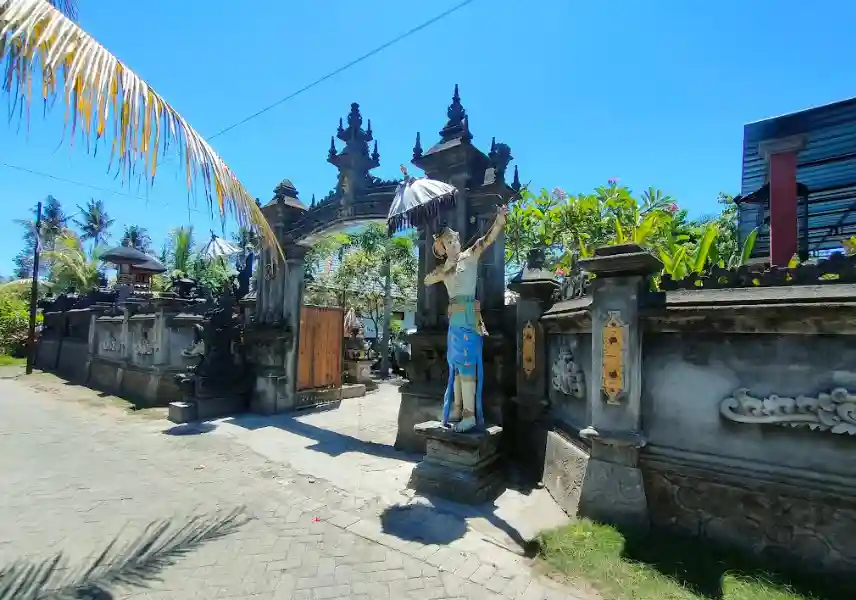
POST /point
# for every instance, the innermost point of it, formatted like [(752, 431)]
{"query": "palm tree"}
[(398, 251), (179, 249), (46, 50), (72, 266), (137, 237), (94, 222)]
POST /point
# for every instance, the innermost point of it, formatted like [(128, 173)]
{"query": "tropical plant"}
[(137, 237), (45, 49), (381, 259), (14, 319), (72, 265), (94, 223), (178, 250)]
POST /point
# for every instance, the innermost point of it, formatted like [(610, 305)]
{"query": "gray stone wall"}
[(770, 488)]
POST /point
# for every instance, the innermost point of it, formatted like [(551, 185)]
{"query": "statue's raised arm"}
[(482, 244)]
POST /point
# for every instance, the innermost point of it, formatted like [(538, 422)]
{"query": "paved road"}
[(73, 477)]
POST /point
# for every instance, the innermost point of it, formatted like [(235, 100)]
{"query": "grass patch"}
[(11, 361), (657, 566)]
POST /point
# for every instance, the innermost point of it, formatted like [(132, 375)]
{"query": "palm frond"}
[(133, 564), (36, 38)]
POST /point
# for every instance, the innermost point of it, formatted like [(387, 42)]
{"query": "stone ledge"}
[(473, 438)]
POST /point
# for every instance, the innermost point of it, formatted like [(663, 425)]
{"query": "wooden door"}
[(319, 363)]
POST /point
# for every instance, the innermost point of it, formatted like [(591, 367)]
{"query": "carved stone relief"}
[(834, 412), (111, 344), (568, 378), (144, 347)]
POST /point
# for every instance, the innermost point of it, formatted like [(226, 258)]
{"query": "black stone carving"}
[(574, 285), (837, 268)]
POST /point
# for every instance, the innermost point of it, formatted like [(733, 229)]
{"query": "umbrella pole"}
[(34, 293)]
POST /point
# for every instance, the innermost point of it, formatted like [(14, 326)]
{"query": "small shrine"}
[(358, 363)]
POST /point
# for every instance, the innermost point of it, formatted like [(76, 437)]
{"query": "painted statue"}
[(459, 273)]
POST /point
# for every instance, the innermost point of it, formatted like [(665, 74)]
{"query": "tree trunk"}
[(387, 315)]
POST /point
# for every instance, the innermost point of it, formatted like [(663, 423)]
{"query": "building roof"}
[(826, 167)]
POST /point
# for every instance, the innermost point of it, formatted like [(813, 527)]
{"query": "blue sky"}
[(654, 93)]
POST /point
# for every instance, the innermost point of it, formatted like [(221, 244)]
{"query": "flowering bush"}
[(14, 324)]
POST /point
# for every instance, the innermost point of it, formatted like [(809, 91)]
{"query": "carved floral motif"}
[(528, 349), (568, 378), (834, 412), (614, 342)]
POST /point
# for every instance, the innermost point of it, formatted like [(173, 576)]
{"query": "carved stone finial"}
[(515, 185), (375, 154), (417, 148), (457, 115), (369, 136), (500, 156), (355, 119), (341, 129), (332, 152), (312, 203), (284, 189)]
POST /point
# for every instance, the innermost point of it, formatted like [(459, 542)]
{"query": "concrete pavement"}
[(76, 472)]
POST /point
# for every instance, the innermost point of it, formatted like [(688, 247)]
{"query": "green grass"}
[(656, 566), (11, 361)]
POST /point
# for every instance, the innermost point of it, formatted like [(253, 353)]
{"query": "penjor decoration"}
[(459, 273)]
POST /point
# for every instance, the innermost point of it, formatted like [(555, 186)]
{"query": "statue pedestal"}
[(463, 467), (359, 371)]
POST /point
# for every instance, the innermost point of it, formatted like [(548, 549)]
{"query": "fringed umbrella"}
[(217, 247), (418, 202), (352, 323)]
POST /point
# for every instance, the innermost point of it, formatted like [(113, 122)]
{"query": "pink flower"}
[(558, 194), (673, 208), (560, 272)]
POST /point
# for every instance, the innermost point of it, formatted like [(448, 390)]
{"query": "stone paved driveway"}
[(73, 477)]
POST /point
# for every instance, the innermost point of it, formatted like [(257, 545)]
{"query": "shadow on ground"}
[(702, 565), (438, 521), (190, 429), (161, 544), (328, 442)]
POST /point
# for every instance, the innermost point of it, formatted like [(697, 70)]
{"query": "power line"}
[(345, 67), (92, 187)]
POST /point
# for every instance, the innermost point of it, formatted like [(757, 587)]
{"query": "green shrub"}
[(14, 323)]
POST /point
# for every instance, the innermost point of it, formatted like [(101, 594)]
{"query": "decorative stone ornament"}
[(528, 349), (614, 343), (567, 376), (834, 411)]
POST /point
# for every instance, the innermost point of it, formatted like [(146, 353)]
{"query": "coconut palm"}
[(46, 50), (179, 250), (94, 222), (137, 237), (72, 266)]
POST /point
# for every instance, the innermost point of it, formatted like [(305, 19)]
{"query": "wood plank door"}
[(319, 363)]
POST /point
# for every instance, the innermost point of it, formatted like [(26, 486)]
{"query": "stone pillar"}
[(613, 489), (781, 156), (535, 287), (292, 302)]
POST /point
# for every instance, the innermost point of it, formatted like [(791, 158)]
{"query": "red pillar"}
[(783, 207)]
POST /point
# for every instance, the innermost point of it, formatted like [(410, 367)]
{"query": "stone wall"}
[(133, 352), (745, 443), (726, 415)]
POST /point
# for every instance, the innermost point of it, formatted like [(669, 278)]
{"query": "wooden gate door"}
[(319, 363)]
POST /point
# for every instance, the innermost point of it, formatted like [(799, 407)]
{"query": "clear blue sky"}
[(654, 93)]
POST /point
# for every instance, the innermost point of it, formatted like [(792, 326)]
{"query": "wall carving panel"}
[(833, 412), (568, 378), (818, 531)]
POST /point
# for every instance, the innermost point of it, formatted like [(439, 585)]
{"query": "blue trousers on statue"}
[(464, 355)]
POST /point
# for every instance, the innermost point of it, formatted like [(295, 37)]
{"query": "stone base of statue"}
[(359, 371), (463, 467)]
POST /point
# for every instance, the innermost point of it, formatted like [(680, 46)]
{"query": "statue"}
[(459, 273)]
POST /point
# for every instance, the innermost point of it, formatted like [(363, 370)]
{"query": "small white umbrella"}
[(217, 247), (418, 201)]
